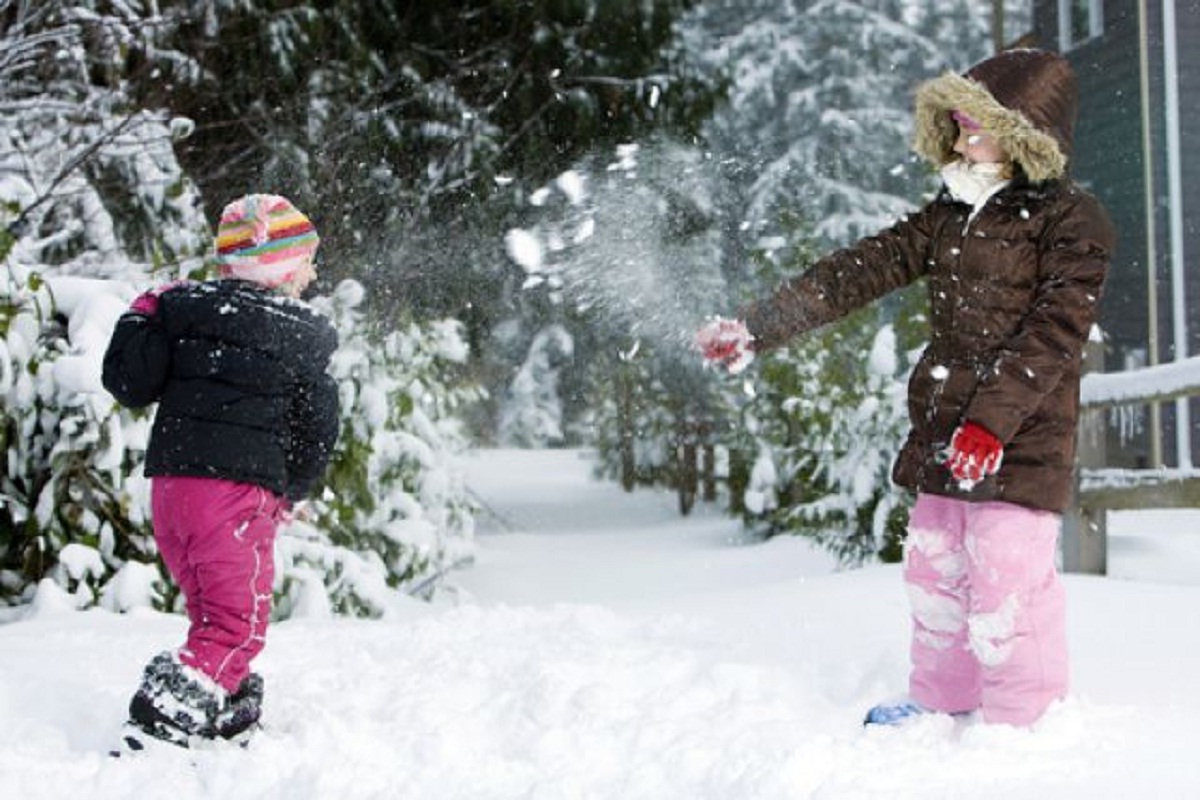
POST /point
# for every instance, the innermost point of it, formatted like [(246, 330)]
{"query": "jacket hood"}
[(1026, 99)]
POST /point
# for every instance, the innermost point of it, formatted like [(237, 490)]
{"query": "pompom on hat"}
[(265, 239)]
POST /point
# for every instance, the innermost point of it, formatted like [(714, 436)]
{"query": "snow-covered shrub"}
[(71, 507), (829, 417), (395, 513)]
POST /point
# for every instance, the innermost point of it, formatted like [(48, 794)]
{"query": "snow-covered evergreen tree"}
[(826, 427), (818, 120), (532, 415)]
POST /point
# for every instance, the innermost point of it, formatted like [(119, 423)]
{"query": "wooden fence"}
[(1100, 489)]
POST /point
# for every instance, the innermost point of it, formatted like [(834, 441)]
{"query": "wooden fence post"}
[(1084, 528)]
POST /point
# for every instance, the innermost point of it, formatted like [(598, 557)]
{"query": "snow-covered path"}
[(603, 648), (565, 537)]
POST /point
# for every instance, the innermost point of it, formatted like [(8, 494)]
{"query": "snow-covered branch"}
[(1148, 384)]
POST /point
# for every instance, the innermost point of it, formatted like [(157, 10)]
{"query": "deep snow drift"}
[(603, 647)]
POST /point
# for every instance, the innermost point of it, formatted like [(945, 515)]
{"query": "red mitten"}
[(974, 453), (146, 303), (726, 342)]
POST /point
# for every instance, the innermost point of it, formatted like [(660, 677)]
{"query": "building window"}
[(1079, 21)]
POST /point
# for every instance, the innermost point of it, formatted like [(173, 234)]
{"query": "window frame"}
[(1095, 13)]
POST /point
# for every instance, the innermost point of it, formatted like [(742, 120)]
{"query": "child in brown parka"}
[(1015, 257)]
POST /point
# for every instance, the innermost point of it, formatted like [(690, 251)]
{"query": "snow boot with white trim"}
[(175, 703)]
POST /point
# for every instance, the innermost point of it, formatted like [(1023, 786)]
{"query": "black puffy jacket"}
[(239, 373)]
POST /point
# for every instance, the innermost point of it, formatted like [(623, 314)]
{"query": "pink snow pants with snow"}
[(988, 609), (217, 538)]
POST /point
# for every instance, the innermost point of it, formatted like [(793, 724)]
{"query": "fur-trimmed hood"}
[(1027, 99)]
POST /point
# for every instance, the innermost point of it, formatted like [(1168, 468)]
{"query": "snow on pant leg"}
[(1017, 620), (945, 673), (229, 530)]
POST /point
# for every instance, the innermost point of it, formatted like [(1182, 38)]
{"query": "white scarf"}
[(973, 184)]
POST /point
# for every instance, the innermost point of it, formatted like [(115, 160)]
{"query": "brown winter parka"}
[(1013, 290)]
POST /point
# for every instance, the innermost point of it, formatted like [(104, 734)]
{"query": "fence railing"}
[(1100, 489)]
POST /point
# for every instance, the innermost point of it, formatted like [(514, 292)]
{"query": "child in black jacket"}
[(246, 421)]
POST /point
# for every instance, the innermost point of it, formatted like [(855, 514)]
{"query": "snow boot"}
[(175, 703), (894, 712), (238, 718)]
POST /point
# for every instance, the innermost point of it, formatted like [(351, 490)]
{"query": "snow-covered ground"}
[(604, 648)]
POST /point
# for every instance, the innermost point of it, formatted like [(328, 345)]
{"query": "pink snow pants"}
[(988, 609), (217, 538)]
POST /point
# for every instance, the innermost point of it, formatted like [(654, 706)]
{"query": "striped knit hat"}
[(265, 239)]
